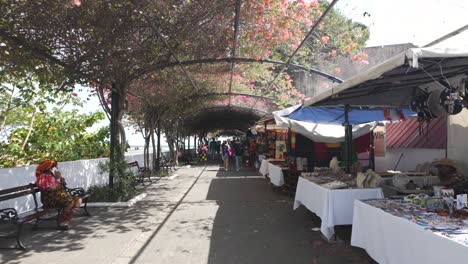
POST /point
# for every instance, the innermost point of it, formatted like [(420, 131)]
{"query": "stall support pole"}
[(348, 139), (288, 145), (195, 144), (372, 151)]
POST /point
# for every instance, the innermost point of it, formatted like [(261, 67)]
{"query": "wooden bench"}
[(141, 173), (37, 214)]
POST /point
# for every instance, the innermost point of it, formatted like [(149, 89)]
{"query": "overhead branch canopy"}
[(180, 56)]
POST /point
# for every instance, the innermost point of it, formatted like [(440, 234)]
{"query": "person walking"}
[(213, 148), (238, 151), (225, 149)]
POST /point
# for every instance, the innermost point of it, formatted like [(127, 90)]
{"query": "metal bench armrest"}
[(79, 192), (8, 215)]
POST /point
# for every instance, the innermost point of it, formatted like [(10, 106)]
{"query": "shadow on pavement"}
[(254, 224), (104, 221)]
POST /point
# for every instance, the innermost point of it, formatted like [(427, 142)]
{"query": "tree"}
[(112, 44), (59, 135)]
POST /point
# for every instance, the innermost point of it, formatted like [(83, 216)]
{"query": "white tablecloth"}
[(334, 207), (276, 175), (389, 239), (264, 167)]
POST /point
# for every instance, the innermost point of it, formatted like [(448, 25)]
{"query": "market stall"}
[(324, 197), (422, 229), (396, 233)]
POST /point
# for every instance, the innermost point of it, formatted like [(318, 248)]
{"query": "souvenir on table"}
[(322, 170), (447, 194), (435, 204), (369, 179), (400, 181), (437, 190), (335, 166), (409, 198), (361, 177), (411, 185), (335, 185), (421, 199), (373, 180), (462, 201)]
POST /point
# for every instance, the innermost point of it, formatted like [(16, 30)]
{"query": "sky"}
[(409, 21), (390, 22)]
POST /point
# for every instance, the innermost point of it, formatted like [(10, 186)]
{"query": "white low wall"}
[(82, 173), (411, 158)]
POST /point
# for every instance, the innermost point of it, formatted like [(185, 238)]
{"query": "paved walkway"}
[(204, 215)]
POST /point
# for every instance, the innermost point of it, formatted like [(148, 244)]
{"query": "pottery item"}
[(462, 201), (437, 190), (411, 185), (400, 181)]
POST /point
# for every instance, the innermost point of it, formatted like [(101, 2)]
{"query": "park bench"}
[(36, 214), (141, 172), (167, 165)]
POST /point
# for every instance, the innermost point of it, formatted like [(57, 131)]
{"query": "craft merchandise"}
[(447, 194), (335, 166), (369, 179), (400, 181), (454, 228), (437, 190), (335, 185), (462, 201)]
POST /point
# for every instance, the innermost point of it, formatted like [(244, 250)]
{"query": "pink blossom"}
[(325, 39), (347, 48), (333, 53), (356, 58), (315, 3), (308, 22), (293, 46), (364, 62), (76, 2), (337, 70)]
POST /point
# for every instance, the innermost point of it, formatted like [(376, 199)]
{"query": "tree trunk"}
[(153, 143), (146, 151), (31, 125), (4, 114), (118, 97), (159, 144)]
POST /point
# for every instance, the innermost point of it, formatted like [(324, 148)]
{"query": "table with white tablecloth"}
[(391, 239), (334, 207), (276, 174), (264, 167)]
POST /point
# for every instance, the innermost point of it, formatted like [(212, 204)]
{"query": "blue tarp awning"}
[(357, 115)]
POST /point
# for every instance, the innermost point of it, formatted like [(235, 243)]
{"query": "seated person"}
[(450, 177), (53, 194), (182, 156)]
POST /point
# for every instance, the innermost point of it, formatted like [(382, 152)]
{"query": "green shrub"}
[(124, 187)]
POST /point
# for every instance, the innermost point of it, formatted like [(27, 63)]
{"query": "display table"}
[(391, 239), (334, 207), (276, 174)]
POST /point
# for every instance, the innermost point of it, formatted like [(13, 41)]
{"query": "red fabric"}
[(44, 166), (45, 181), (321, 152), (362, 143)]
